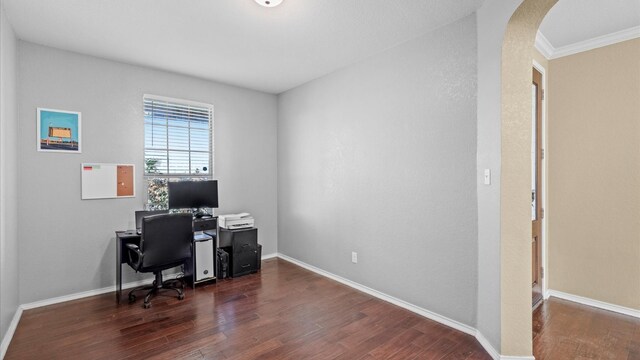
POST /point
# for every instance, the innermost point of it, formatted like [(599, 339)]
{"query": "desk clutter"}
[(220, 246), (217, 252)]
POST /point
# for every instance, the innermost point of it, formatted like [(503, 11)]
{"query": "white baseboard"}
[(495, 355), (104, 290), (84, 294), (6, 340), (388, 298), (36, 304), (380, 295), (595, 303), (405, 305)]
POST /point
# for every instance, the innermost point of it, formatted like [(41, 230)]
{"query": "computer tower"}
[(223, 264), (204, 260)]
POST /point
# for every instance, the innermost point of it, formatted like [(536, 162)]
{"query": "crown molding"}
[(550, 52), (544, 46)]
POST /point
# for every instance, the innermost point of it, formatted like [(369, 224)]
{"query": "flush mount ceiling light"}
[(269, 3)]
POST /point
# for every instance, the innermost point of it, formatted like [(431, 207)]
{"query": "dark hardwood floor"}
[(566, 330), (284, 312)]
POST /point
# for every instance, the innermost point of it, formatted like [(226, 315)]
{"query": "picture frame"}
[(59, 131)]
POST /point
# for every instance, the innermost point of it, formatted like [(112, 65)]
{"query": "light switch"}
[(487, 176)]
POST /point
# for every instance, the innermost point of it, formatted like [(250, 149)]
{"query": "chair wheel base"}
[(155, 289)]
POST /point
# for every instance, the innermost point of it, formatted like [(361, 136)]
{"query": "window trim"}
[(210, 107), (211, 175), (176, 100)]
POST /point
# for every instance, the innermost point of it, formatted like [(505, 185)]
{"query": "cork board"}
[(107, 181)]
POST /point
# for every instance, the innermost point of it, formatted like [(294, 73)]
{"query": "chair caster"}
[(181, 297), (132, 299), (146, 305)]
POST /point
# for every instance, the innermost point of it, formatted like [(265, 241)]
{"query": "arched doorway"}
[(515, 190)]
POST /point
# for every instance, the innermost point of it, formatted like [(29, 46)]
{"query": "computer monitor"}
[(193, 194)]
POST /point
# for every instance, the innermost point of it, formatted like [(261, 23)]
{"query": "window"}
[(177, 145)]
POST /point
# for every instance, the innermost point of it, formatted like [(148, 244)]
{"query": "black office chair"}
[(166, 243)]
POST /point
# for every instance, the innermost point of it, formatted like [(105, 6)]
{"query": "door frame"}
[(545, 191)]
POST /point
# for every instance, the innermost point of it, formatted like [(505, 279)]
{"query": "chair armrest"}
[(135, 256)]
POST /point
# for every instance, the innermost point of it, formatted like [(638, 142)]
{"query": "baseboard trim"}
[(495, 355), (382, 296), (269, 256), (104, 290), (84, 294), (60, 299), (75, 296), (375, 293), (595, 303), (403, 304), (6, 340)]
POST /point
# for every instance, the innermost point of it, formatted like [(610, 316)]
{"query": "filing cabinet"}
[(242, 246)]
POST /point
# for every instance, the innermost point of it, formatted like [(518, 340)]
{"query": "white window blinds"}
[(177, 137)]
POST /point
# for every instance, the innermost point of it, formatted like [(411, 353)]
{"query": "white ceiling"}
[(573, 21), (233, 41), (273, 49)]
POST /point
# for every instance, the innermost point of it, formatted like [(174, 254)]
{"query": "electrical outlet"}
[(354, 257)]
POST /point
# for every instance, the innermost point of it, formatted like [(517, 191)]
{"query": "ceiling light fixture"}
[(269, 3)]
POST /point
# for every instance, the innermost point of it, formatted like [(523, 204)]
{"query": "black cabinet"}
[(242, 246), (204, 224)]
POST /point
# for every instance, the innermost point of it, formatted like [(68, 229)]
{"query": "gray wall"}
[(492, 22), (8, 176), (380, 158), (67, 244)]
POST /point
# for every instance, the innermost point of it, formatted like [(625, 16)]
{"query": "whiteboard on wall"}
[(107, 181)]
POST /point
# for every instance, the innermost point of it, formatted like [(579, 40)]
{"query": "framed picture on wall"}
[(59, 131)]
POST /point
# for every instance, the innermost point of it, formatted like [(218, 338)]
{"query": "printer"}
[(236, 221)]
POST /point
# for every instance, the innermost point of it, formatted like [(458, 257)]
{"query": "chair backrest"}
[(140, 214), (166, 239)]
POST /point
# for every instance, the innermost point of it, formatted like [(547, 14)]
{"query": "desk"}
[(122, 238), (209, 225)]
